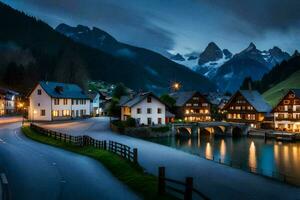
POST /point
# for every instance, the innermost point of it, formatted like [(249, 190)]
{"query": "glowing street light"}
[(176, 86)]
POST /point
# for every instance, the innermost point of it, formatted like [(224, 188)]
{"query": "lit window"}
[(55, 113), (65, 101)]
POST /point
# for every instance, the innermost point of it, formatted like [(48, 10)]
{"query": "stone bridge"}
[(215, 128)]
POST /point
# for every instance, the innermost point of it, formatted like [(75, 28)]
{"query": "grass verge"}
[(130, 174)]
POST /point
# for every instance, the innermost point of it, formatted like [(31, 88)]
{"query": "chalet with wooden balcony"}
[(287, 112), (191, 106), (247, 106)]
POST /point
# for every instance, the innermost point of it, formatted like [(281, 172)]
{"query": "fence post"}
[(161, 181), (104, 144), (135, 155), (188, 194)]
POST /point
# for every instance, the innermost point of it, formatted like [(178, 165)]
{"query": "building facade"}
[(191, 106), (287, 112), (7, 101), (57, 101), (247, 106), (94, 103), (146, 108)]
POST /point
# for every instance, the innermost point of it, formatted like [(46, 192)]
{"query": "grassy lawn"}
[(132, 175)]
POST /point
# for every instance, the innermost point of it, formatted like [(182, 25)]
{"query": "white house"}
[(94, 103), (146, 108), (7, 101), (56, 101)]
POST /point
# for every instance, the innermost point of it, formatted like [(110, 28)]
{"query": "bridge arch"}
[(183, 131), (237, 131), (219, 130)]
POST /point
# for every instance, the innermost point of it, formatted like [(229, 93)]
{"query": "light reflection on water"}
[(268, 157)]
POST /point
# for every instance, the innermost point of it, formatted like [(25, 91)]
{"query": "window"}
[(39, 92), (39, 104), (296, 101), (291, 95), (195, 104), (188, 104), (56, 101), (43, 112), (238, 107), (72, 101), (159, 120), (76, 101), (159, 110), (66, 112), (65, 101), (149, 110), (205, 104), (149, 121), (286, 101), (195, 98), (138, 110), (55, 113), (149, 99)]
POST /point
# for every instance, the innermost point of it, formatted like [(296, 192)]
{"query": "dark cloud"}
[(263, 14)]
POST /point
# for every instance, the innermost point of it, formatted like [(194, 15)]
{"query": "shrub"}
[(130, 122), (161, 129)]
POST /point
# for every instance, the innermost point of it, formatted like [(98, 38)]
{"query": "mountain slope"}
[(274, 94), (250, 62), (57, 57), (158, 66)]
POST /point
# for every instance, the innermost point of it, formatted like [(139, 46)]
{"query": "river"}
[(271, 158)]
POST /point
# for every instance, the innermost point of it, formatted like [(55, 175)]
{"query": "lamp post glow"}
[(176, 86)]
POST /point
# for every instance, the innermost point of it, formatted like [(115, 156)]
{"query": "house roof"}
[(296, 92), (63, 90), (255, 99), (8, 94), (130, 102), (182, 97)]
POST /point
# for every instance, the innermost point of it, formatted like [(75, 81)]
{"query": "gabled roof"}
[(130, 102), (182, 97), (254, 98), (295, 91), (63, 90)]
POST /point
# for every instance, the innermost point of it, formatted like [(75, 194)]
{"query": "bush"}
[(130, 122), (161, 129)]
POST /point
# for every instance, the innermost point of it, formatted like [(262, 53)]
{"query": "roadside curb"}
[(4, 187)]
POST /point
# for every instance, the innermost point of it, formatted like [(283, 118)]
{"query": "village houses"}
[(247, 106), (146, 108), (56, 101), (191, 106), (287, 112), (7, 101)]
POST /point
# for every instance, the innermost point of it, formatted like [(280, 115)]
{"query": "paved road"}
[(40, 172), (215, 180)]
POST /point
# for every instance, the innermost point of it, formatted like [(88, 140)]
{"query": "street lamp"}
[(176, 86)]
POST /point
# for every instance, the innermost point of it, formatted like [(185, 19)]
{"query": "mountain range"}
[(228, 70), (90, 54)]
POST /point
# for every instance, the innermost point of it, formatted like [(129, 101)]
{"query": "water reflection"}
[(267, 157), (252, 155)]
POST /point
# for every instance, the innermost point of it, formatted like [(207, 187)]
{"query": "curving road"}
[(40, 172), (215, 180)]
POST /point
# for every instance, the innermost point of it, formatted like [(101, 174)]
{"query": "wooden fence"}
[(120, 149), (164, 184)]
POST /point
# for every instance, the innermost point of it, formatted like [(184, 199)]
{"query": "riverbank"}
[(273, 134), (141, 132), (131, 175)]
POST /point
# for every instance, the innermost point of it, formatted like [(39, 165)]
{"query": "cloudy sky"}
[(179, 25)]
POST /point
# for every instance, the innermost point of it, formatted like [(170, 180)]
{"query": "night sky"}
[(179, 25)]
